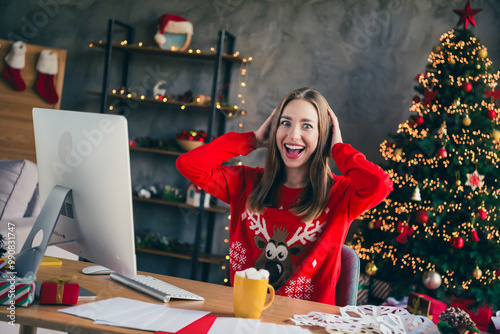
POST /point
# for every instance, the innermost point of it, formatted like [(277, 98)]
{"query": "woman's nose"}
[(294, 132)]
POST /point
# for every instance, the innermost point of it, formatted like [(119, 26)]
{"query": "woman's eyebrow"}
[(304, 120)]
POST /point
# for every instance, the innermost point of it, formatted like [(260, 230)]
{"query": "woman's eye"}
[(308, 126), (285, 123)]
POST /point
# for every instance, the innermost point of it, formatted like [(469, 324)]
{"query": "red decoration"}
[(377, 224), (457, 242), (429, 95), (441, 152), (422, 217), (474, 236), (419, 119), (481, 315), (467, 15), (483, 214), (495, 95), (59, 292), (467, 87), (492, 113), (405, 231), (416, 99)]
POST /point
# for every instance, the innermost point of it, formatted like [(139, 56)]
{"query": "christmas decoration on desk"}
[(19, 291), (422, 304), (144, 238), (59, 291), (456, 321), (174, 32), (14, 63), (452, 158), (47, 69)]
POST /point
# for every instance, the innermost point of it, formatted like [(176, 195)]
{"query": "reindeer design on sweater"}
[(278, 248)]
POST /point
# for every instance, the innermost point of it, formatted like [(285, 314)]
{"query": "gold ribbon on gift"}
[(415, 307), (60, 286)]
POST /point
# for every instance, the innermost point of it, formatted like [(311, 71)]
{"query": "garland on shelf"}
[(146, 239)]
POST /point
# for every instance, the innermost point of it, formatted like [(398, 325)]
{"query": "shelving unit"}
[(224, 54)]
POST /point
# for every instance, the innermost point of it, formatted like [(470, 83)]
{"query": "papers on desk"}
[(129, 313)]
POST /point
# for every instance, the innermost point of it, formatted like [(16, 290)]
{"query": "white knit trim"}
[(16, 57), (47, 63), (174, 27)]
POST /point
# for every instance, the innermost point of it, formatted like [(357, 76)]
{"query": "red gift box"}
[(419, 303), (60, 292), (481, 317)]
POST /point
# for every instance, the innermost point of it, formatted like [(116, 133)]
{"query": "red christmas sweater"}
[(303, 258)]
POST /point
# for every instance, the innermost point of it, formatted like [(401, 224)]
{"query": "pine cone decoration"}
[(458, 319)]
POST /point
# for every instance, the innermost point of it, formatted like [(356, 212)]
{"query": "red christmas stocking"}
[(14, 63), (47, 69)]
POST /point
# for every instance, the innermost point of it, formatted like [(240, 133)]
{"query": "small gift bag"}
[(59, 291), (16, 290)]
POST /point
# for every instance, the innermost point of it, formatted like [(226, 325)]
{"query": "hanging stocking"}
[(47, 69), (14, 63)]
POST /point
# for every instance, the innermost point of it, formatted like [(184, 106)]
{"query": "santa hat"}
[(174, 24)]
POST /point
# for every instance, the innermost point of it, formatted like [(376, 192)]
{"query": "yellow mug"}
[(249, 296)]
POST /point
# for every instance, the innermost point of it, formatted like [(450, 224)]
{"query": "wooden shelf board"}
[(159, 101), (157, 51), (206, 258), (182, 205), (155, 150)]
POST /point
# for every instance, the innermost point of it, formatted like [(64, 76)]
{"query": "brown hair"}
[(314, 196)]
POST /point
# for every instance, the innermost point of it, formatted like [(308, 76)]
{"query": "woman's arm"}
[(202, 165)]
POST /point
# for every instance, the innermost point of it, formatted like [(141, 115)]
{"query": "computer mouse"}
[(96, 270)]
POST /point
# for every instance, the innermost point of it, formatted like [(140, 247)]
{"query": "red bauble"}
[(482, 214), (492, 113), (419, 119), (422, 217), (467, 87), (441, 152), (457, 242), (498, 272), (377, 224)]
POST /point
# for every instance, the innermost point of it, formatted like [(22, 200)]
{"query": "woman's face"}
[(298, 133)]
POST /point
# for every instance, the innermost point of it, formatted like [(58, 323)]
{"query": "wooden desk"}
[(218, 300)]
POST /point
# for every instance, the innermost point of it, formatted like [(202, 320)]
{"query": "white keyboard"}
[(155, 288)]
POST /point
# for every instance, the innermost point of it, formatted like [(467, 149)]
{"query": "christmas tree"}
[(438, 231)]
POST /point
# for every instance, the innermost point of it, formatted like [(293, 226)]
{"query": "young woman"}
[(292, 216)]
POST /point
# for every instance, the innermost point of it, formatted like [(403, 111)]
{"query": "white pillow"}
[(18, 181)]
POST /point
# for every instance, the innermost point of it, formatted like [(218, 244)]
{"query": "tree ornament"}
[(431, 280), (371, 225), (398, 151), (495, 134), (457, 242), (478, 66), (419, 119), (451, 61), (456, 320), (416, 99), (429, 96), (416, 194), (497, 272), (371, 269), (377, 223), (483, 214), (467, 87), (483, 53), (477, 273), (441, 152), (422, 217), (437, 48), (467, 15), (492, 113), (475, 180), (456, 103), (442, 130), (404, 232), (466, 121), (474, 236)]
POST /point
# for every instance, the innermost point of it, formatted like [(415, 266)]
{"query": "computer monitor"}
[(85, 190)]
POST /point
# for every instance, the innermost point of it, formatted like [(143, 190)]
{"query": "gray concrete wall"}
[(362, 55)]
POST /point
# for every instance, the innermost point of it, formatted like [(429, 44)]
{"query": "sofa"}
[(19, 207)]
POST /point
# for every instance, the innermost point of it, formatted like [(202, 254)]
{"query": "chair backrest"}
[(346, 292)]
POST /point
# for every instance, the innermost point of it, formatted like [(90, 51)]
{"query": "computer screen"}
[(86, 155)]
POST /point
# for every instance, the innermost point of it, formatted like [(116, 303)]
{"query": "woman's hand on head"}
[(336, 135), (262, 133)]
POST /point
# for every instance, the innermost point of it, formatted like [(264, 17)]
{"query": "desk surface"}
[(218, 300)]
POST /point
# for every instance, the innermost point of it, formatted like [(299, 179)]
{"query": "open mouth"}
[(293, 151)]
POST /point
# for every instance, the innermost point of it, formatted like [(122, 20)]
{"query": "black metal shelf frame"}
[(225, 44)]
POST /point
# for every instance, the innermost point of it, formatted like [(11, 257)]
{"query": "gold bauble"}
[(398, 152), (466, 121), (478, 66), (483, 53), (495, 134), (431, 279), (451, 61), (371, 269), (371, 225), (436, 48), (477, 273)]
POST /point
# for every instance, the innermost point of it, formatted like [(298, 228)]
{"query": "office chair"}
[(346, 291)]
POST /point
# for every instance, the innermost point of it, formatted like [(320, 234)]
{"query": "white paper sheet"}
[(129, 313)]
